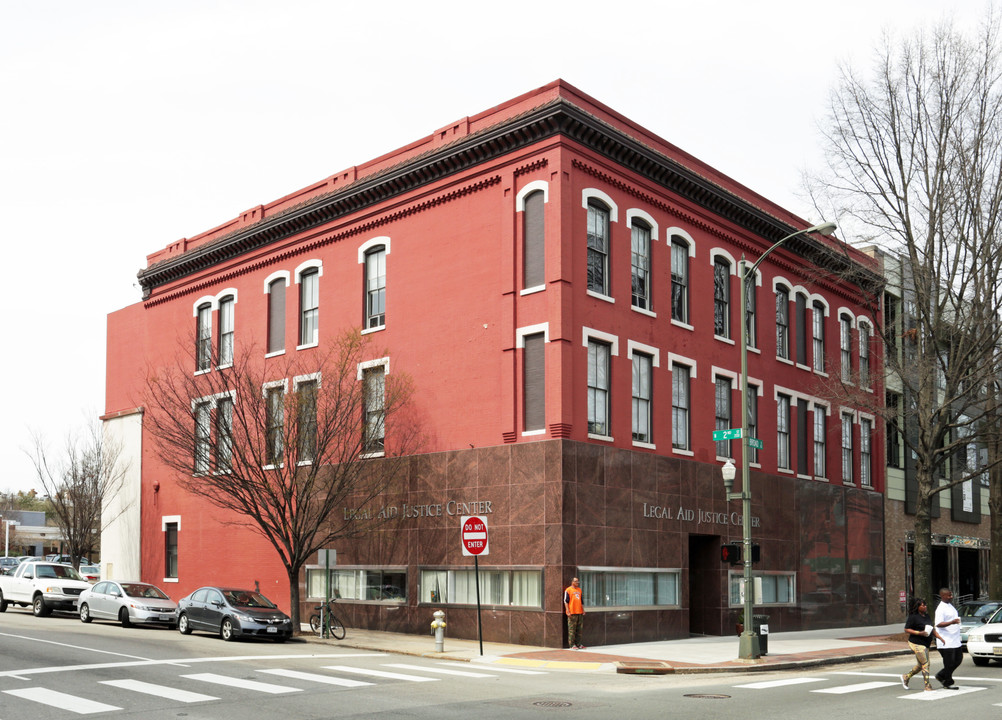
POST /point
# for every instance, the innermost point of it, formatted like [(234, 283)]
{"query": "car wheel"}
[(123, 617), (3, 603), (979, 661), (85, 613), (182, 625), (226, 630), (39, 608)]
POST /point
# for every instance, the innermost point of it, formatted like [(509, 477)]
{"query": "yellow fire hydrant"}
[(438, 627)]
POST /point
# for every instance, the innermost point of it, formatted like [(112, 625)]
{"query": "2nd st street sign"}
[(735, 434)]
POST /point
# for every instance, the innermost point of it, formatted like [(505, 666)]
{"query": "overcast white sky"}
[(127, 125)]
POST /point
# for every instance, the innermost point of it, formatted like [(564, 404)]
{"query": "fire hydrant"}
[(438, 626)]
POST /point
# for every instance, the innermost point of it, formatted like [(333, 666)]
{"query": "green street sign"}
[(733, 434), (755, 443)]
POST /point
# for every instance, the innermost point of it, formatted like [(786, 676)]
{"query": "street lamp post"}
[(748, 645), (7, 523)]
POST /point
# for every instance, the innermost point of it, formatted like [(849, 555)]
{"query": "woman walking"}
[(921, 631)]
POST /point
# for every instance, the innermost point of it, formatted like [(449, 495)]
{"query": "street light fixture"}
[(748, 645)]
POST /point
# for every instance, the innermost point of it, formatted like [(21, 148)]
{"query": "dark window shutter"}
[(532, 219), (535, 382), (276, 316), (801, 329), (802, 438)]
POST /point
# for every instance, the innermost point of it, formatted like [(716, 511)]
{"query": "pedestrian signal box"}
[(731, 553)]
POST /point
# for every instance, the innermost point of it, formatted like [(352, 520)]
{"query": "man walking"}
[(948, 624), (574, 609)]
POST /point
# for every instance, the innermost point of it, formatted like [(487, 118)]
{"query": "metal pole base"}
[(748, 646)]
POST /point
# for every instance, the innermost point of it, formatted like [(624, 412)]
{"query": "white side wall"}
[(120, 515)]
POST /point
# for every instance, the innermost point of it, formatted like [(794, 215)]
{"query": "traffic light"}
[(732, 553)]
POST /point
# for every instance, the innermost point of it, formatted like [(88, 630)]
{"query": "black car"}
[(232, 613)]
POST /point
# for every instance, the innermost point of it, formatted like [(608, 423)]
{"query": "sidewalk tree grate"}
[(552, 703), (707, 696)]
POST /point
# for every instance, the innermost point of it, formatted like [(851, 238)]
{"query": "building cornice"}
[(559, 117)]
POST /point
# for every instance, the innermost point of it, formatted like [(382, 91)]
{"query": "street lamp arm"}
[(826, 229)]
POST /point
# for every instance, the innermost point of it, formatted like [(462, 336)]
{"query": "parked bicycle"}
[(325, 623)]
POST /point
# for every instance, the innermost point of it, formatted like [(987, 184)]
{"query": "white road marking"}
[(858, 687), (159, 690), (492, 668), (241, 683), (939, 694), (765, 684), (380, 674), (443, 671), (63, 701), (315, 677)]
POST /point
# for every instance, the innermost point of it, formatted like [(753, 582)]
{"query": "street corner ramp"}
[(644, 667)]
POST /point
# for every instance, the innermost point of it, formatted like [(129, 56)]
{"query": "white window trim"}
[(682, 360), (166, 520), (366, 365), (815, 298), (310, 377), (591, 334), (308, 265), (534, 289), (522, 332), (721, 252), (716, 372), (277, 275), (633, 346), (365, 247), (271, 384), (846, 313), (209, 300), (528, 190), (596, 194), (632, 213)]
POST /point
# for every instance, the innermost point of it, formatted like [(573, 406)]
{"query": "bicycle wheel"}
[(337, 629), (315, 623)]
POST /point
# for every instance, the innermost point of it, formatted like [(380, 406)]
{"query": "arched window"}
[(375, 287), (276, 314), (640, 256), (533, 246), (203, 347), (226, 305), (598, 248)]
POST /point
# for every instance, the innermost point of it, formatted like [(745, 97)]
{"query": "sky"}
[(125, 126)]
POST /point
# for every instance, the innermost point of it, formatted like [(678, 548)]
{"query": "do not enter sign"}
[(474, 532)]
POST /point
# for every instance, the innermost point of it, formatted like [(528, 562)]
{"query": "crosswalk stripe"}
[(765, 684), (858, 687), (61, 700), (493, 668), (380, 674), (240, 683), (940, 694), (159, 690), (316, 677), (443, 671)]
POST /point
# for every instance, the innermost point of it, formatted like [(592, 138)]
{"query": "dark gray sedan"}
[(232, 613)]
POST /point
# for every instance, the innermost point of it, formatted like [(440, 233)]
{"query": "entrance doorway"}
[(706, 610), (968, 571)]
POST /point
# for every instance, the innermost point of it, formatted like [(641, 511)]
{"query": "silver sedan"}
[(129, 603)]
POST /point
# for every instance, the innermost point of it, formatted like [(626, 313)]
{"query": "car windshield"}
[(984, 610), (246, 598), (144, 591), (57, 571)]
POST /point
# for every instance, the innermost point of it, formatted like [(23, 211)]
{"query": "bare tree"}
[(78, 480), (297, 447), (914, 150)]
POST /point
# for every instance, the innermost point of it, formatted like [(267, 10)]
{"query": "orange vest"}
[(572, 600)]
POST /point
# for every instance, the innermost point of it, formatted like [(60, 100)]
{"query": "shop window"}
[(612, 588), (499, 587), (359, 584), (770, 588)]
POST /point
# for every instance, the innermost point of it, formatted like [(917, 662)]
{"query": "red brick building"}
[(561, 286)]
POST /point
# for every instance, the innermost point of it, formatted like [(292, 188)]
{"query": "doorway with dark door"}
[(707, 592)]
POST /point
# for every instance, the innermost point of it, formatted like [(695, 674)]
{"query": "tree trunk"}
[(922, 557), (294, 598)]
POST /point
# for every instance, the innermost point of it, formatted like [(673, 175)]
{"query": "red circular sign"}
[(475, 535)]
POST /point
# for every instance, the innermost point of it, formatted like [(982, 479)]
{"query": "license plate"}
[(997, 650), (166, 618), (275, 630)]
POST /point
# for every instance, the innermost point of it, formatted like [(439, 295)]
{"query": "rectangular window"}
[(203, 437), (777, 588), (819, 338), (782, 323), (803, 468), (751, 326), (891, 329), (224, 435), (499, 587), (309, 308), (609, 588), (642, 365), (800, 303), (845, 347), (820, 436), (893, 428), (679, 281), (276, 316), (680, 407), (387, 585), (226, 330), (374, 389), (275, 421), (752, 421), (598, 249), (534, 381), (170, 550), (722, 413), (598, 388), (203, 347), (641, 262), (846, 448), (783, 432), (533, 232), (375, 288), (306, 421), (864, 356), (865, 465), (721, 298)]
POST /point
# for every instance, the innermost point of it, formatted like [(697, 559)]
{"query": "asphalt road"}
[(57, 667)]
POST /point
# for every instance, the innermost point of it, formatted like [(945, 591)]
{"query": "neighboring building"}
[(961, 520), (30, 536), (561, 286)]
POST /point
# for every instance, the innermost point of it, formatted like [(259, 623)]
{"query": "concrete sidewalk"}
[(693, 655)]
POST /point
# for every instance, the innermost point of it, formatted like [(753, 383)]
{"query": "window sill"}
[(273, 467), (785, 471), (820, 373), (754, 349), (603, 438), (644, 445), (643, 311), (803, 367), (801, 476), (378, 328), (721, 338), (682, 451), (170, 580), (275, 353), (821, 478), (680, 324), (307, 346), (366, 455), (600, 296), (784, 360), (532, 290), (224, 366), (530, 433), (202, 372)]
